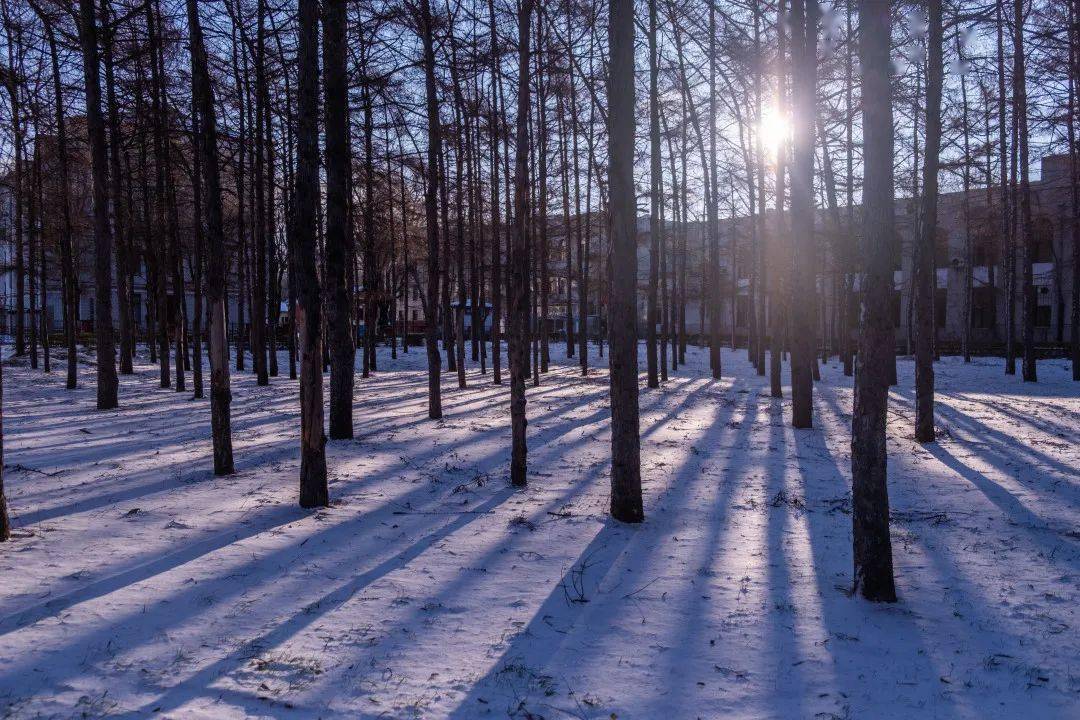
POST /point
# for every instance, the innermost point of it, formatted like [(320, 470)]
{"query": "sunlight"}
[(775, 128)]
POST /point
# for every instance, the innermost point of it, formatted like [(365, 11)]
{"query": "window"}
[(1042, 239), (896, 308), (941, 303)]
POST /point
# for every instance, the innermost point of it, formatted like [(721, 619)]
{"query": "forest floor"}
[(139, 585)]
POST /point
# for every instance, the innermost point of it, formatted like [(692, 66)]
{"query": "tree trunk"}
[(779, 305), (804, 18), (1074, 185), (107, 384), (712, 200), (519, 310), (67, 263), (18, 181), (924, 279), (338, 232), (494, 122), (220, 391), (968, 281), (1020, 109), (313, 487), (1007, 224), (431, 212), (652, 378), (161, 313), (626, 502), (544, 274), (119, 206), (197, 263), (873, 573)]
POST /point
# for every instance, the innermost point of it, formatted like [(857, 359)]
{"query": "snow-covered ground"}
[(139, 585)]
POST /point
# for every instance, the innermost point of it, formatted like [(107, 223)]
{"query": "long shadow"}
[(994, 647), (183, 604), (247, 459), (696, 600), (866, 641), (192, 686), (1004, 446), (266, 520), (783, 615), (542, 639), (1035, 528), (277, 517), (1008, 455), (1041, 423)]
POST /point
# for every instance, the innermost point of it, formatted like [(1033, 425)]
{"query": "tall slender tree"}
[(872, 547), (655, 185), (107, 384), (626, 502), (431, 211), (804, 19), (519, 260), (313, 487), (339, 254), (1027, 243), (924, 282), (220, 386)]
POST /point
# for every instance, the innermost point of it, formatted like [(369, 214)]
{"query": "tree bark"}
[(122, 238), (14, 36), (220, 391), (804, 18), (519, 259), (107, 384), (924, 281), (338, 233), (313, 486), (626, 502), (431, 211), (652, 377), (1027, 255), (67, 263), (872, 547)]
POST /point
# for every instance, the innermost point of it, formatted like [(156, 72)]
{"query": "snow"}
[(139, 585)]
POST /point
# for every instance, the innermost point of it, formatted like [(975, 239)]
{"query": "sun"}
[(775, 129)]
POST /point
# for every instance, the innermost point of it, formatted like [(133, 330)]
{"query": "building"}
[(976, 216)]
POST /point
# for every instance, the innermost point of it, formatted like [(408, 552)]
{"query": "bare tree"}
[(107, 383), (655, 201), (873, 576), (626, 502), (924, 281), (339, 256), (431, 211), (313, 487), (1020, 113), (519, 260), (804, 19), (220, 390)]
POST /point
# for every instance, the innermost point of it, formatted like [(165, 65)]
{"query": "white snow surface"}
[(140, 585)]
